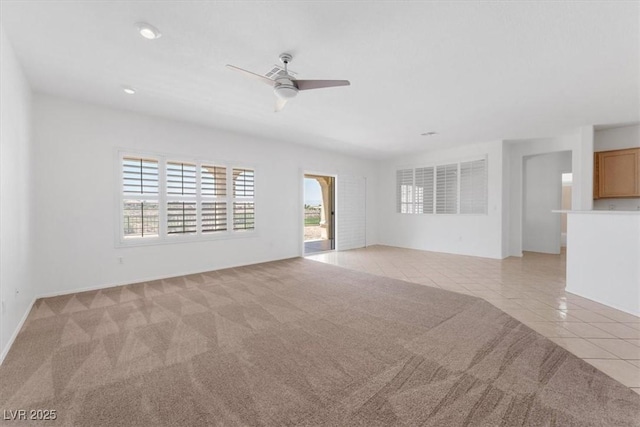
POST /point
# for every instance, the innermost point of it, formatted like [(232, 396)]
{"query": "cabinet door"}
[(619, 174)]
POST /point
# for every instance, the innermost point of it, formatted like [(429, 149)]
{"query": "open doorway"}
[(543, 192), (319, 213)]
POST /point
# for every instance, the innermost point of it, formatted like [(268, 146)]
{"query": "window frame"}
[(163, 198)]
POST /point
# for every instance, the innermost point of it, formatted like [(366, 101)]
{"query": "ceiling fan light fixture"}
[(285, 91), (148, 31)]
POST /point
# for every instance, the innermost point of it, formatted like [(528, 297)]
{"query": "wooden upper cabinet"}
[(617, 173)]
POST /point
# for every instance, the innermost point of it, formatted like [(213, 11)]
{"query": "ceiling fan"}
[(285, 86)]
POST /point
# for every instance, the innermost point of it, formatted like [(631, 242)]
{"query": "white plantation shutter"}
[(404, 191), (213, 181), (473, 187), (181, 205), (181, 179), (352, 213), (214, 217), (243, 183), (455, 188), (175, 200), (181, 217), (447, 189), (139, 176), (139, 197), (243, 216), (243, 199), (424, 190), (140, 218)]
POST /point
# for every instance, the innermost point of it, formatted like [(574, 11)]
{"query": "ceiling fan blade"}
[(252, 75), (280, 103), (319, 84)]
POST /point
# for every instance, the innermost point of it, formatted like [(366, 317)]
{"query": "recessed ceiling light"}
[(128, 90), (429, 133), (148, 31)]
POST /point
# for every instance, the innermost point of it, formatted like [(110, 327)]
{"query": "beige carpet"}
[(297, 342)]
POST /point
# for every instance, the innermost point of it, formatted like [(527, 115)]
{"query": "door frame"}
[(301, 179)]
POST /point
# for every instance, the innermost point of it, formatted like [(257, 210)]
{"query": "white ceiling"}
[(472, 71)]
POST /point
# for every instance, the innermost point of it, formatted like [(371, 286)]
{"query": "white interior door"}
[(352, 207)]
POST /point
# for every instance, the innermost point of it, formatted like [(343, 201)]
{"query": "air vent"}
[(276, 72)]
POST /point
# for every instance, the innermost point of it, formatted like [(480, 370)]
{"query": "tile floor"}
[(315, 246), (530, 288)]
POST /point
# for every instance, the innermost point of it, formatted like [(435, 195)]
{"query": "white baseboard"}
[(5, 350), (153, 278), (608, 304)]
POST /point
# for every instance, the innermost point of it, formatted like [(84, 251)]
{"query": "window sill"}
[(171, 240)]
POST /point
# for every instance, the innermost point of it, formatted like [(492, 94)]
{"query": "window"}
[(182, 213), (243, 206), (181, 179), (447, 189), (404, 202), (141, 218), (140, 213), (214, 198), (181, 217), (473, 187), (214, 217), (454, 188), (188, 200)]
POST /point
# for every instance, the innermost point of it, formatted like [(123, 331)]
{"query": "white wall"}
[(617, 139), (580, 144), (16, 206), (602, 258), (76, 179), (479, 235), (582, 169), (541, 228)]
